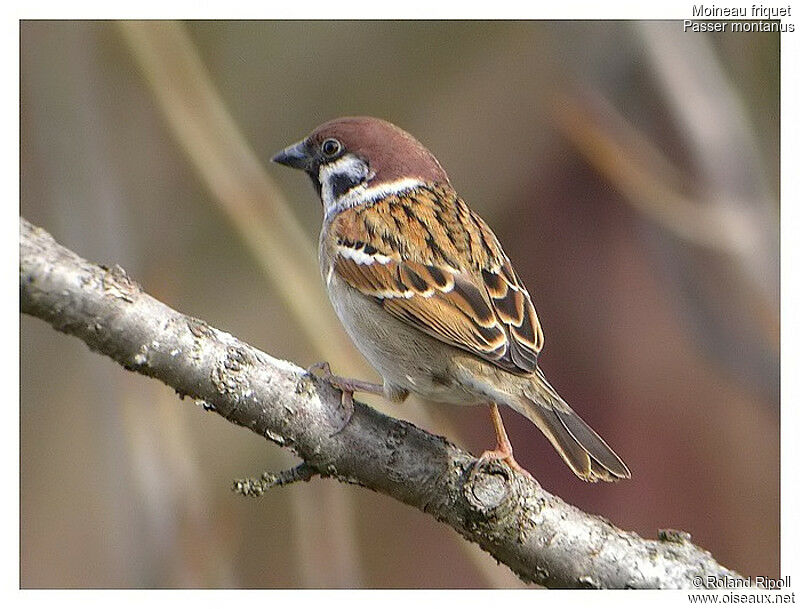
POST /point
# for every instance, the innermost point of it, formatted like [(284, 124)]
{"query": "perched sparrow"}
[(425, 291)]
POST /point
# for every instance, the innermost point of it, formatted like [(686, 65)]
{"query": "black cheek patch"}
[(341, 183)]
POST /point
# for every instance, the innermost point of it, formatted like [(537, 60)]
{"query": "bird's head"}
[(355, 160)]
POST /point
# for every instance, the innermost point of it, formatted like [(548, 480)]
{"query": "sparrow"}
[(426, 292)]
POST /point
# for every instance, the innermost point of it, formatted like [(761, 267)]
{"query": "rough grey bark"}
[(540, 537)]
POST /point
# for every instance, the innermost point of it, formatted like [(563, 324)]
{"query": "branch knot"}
[(489, 490)]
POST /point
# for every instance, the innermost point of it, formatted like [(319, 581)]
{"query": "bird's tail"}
[(584, 451)]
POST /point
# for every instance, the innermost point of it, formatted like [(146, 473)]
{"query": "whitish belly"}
[(404, 356)]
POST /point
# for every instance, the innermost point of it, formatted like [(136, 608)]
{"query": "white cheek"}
[(350, 167)]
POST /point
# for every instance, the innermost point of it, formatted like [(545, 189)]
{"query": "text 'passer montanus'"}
[(425, 291)]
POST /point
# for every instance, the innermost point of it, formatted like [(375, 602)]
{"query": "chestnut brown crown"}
[(390, 153)]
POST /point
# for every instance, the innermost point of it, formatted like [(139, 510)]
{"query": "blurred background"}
[(630, 170)]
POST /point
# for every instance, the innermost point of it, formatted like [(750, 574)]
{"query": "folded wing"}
[(445, 274)]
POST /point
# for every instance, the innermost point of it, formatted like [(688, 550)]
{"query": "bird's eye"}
[(331, 147)]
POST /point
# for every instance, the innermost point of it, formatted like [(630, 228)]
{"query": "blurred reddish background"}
[(631, 172)]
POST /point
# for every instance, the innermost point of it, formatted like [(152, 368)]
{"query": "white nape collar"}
[(365, 193)]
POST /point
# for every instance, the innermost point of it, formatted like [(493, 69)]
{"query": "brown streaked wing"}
[(484, 310)]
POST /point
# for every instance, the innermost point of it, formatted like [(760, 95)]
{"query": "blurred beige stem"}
[(651, 184), (643, 174), (714, 124), (222, 158)]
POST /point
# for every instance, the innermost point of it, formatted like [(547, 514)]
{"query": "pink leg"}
[(503, 452)]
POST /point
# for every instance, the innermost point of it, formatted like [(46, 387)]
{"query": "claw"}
[(506, 457), (349, 409), (320, 369)]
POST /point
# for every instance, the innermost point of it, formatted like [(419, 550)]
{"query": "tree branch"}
[(540, 537)]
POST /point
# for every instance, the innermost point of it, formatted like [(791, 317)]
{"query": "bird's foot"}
[(507, 457), (323, 371), (347, 386), (503, 452)]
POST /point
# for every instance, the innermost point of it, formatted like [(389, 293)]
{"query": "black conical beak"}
[(297, 155)]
